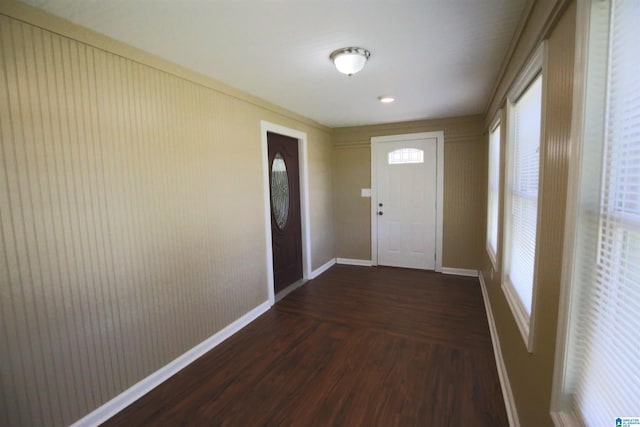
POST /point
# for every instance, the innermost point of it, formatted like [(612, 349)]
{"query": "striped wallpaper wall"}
[(464, 203), (464, 187), (531, 374), (131, 220)]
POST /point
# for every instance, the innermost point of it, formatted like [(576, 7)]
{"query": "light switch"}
[(365, 192)]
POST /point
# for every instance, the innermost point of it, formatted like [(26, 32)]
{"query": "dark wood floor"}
[(357, 346)]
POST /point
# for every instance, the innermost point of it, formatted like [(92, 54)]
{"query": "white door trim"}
[(375, 146), (304, 200)]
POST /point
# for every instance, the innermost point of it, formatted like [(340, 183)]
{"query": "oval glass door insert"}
[(279, 191)]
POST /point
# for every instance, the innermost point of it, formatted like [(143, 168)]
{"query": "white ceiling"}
[(438, 58)]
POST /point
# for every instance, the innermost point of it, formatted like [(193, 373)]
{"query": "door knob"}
[(380, 213)]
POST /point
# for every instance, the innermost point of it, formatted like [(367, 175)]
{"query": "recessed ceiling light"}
[(386, 99)]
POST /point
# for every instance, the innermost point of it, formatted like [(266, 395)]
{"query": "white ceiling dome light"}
[(350, 60)]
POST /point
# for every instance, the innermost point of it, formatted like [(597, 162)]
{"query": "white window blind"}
[(601, 378), (493, 194), (523, 192)]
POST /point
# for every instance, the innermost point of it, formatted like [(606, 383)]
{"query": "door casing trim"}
[(375, 147), (304, 200)]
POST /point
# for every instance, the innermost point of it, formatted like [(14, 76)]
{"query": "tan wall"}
[(531, 375), (464, 187), (131, 214)]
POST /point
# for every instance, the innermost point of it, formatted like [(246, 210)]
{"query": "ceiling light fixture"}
[(349, 60), (386, 99)]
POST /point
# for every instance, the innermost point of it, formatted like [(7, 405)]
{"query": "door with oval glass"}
[(286, 234)]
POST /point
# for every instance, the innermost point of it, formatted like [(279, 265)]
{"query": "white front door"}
[(406, 196)]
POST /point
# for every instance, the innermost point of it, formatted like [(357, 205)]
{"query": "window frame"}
[(589, 119), (535, 67), (492, 252)]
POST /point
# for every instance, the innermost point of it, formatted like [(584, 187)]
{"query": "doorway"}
[(286, 208), (406, 204)]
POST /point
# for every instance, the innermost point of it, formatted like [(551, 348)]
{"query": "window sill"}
[(565, 419), (492, 257), (522, 318)]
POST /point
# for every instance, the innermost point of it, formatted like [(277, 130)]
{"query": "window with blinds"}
[(522, 152), (597, 365), (523, 189), (493, 194)]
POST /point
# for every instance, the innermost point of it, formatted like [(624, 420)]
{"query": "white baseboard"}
[(135, 392), (350, 261), (460, 271), (507, 394), (318, 271)]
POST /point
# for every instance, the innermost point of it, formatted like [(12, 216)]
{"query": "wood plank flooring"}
[(358, 346)]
